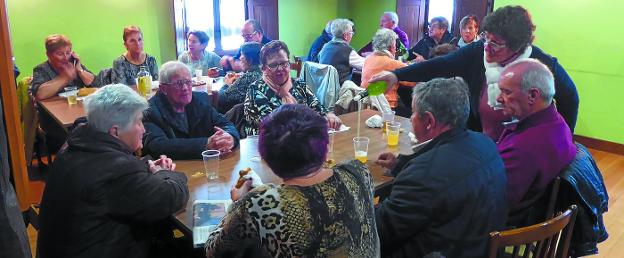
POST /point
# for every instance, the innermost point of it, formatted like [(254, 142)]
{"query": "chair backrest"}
[(547, 239), (29, 117), (296, 66), (323, 81), (236, 116)]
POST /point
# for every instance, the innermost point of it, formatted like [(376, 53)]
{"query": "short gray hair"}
[(328, 27), (442, 22), (113, 105), (537, 75), (446, 99), (169, 69), (394, 16), (339, 27), (383, 39)]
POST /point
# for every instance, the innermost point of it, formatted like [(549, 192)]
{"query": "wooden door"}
[(411, 18), (479, 8), (265, 12)]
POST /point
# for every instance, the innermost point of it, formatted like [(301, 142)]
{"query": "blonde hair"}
[(56, 41), (130, 29)]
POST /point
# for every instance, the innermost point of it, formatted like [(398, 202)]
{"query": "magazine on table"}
[(206, 216)]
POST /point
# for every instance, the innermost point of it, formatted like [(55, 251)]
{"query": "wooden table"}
[(65, 114), (247, 156)]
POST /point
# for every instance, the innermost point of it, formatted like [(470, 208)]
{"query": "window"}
[(222, 20), (444, 8)]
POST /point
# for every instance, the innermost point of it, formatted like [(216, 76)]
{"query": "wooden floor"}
[(612, 167)]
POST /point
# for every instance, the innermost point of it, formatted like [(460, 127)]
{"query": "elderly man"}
[(100, 200), (338, 53), (319, 42), (389, 20), (449, 194), (437, 34), (182, 123), (251, 32), (538, 144)]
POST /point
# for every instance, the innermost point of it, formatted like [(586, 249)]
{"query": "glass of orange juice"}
[(393, 133), (360, 145)]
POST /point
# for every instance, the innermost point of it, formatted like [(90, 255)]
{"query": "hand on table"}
[(333, 121), (418, 58), (220, 140), (163, 163), (386, 160)]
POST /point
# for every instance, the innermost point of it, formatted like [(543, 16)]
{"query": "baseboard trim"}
[(601, 145)]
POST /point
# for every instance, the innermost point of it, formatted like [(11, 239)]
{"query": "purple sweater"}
[(402, 37), (534, 151)]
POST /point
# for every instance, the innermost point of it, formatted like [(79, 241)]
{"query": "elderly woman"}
[(182, 123), (235, 89), (508, 37), (62, 69), (101, 200), (382, 59), (338, 53), (197, 57), (437, 34), (315, 212), (126, 67), (469, 29), (277, 88), (454, 181)]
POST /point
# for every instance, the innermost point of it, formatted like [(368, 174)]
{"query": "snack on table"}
[(241, 177), (82, 92)]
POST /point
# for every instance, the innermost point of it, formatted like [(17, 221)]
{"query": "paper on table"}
[(343, 128), (67, 93)]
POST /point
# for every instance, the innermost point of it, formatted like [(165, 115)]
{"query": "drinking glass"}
[(360, 145), (211, 163), (72, 95), (388, 117), (393, 133)]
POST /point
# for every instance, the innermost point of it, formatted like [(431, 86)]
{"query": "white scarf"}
[(492, 74)]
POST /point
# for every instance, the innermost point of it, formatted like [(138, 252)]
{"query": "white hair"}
[(537, 75), (340, 26), (328, 27), (169, 69), (394, 16), (114, 105), (383, 39)]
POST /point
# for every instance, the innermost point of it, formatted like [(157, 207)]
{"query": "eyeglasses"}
[(495, 46), (178, 85), (282, 65), (249, 35)]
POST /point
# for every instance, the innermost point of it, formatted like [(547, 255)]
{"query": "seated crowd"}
[(493, 116)]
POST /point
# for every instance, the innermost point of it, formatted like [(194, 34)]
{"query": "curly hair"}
[(293, 141), (513, 23)]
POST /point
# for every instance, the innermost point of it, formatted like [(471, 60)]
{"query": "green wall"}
[(301, 22), (365, 14), (583, 35), (95, 28)]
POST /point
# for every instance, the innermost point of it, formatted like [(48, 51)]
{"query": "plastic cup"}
[(360, 145), (72, 95), (198, 74), (388, 117), (211, 163), (331, 132), (393, 133)]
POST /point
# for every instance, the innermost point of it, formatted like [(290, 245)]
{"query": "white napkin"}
[(374, 121)]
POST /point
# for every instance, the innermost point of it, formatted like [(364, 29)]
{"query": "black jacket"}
[(164, 137), (467, 62), (102, 201), (582, 184), (446, 198), (423, 47)]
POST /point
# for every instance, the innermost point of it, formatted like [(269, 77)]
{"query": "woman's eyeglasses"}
[(283, 65), (179, 84), (495, 46)]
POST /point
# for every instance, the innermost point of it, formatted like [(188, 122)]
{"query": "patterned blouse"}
[(334, 218), (261, 101), (230, 95), (125, 72), (209, 60)]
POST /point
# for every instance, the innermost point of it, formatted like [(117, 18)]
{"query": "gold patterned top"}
[(334, 218)]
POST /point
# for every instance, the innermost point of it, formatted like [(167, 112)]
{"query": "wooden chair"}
[(296, 65), (547, 239)]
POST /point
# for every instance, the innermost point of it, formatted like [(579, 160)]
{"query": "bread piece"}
[(241, 178), (82, 92)]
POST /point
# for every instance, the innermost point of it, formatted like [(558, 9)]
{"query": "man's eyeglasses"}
[(283, 65), (249, 35), (495, 46), (179, 84)]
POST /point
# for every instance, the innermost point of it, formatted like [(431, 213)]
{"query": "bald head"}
[(527, 86)]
